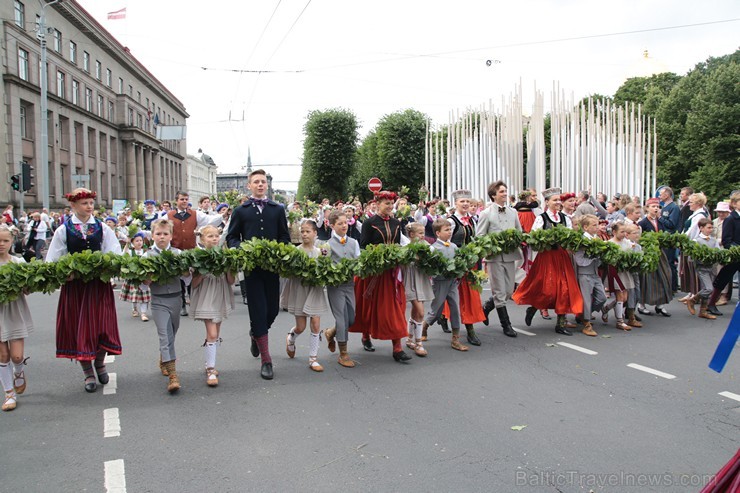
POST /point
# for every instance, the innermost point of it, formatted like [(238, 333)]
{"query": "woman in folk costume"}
[(381, 300), (551, 282), (687, 269), (463, 232), (87, 327), (655, 286)]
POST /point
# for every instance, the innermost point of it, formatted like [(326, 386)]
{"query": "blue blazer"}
[(248, 222), (670, 218)]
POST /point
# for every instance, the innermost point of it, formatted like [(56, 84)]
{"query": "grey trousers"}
[(342, 304), (501, 275), (445, 290), (706, 281), (633, 296), (166, 315), (592, 290)]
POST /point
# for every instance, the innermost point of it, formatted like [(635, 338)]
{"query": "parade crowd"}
[(572, 286)]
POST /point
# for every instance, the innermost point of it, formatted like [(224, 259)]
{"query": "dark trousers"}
[(725, 275), (185, 289), (672, 256), (263, 298)]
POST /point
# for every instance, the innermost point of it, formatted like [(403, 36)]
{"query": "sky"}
[(381, 56)]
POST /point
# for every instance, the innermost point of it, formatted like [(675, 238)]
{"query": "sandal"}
[(211, 377), (135, 314), (102, 372), (11, 401), (144, 318), (419, 350), (313, 363), (19, 380), (410, 342), (289, 347)]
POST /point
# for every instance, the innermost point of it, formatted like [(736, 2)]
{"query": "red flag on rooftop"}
[(118, 14)]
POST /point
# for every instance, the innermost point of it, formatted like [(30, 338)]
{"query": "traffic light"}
[(15, 182), (27, 182)]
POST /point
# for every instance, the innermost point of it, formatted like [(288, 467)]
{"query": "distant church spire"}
[(249, 160)]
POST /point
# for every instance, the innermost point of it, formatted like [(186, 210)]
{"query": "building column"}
[(130, 171), (156, 176), (140, 183), (149, 174)]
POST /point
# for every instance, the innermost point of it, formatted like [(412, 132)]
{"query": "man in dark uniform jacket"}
[(670, 221), (259, 217)]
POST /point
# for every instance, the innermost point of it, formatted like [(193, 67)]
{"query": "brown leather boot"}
[(330, 341), (456, 344), (162, 367), (703, 313), (631, 320), (174, 381), (588, 329), (690, 304), (344, 358)]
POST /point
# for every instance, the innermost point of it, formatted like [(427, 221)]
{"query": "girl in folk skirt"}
[(87, 327), (305, 302), (212, 301), (15, 324), (620, 282), (138, 294), (418, 290)]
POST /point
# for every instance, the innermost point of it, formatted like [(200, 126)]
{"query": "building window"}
[(86, 61), (73, 52), (101, 105), (88, 99), (91, 142), (138, 120), (108, 77), (22, 64), (138, 96), (61, 84), (130, 91), (103, 146), (78, 138), (75, 92), (130, 117), (63, 132), (98, 70), (20, 14), (57, 40), (110, 111), (24, 123)]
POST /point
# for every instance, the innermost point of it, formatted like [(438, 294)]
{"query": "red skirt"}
[(551, 283), (471, 308), (380, 310), (526, 219), (86, 320)]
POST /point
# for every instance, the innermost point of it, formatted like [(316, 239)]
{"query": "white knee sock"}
[(19, 367), (210, 350), (293, 335), (6, 376), (314, 345), (417, 330), (143, 307), (619, 310)]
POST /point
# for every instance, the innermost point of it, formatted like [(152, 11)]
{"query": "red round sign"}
[(375, 185)]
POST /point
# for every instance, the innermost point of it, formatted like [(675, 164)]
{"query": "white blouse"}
[(58, 245)]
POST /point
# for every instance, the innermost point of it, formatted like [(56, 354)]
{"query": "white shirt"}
[(58, 245), (695, 217), (203, 219), (41, 229), (539, 222)]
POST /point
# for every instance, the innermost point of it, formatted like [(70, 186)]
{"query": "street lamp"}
[(45, 189)]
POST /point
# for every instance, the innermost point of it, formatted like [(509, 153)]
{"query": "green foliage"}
[(366, 167), (648, 91), (401, 143), (231, 197), (328, 153)]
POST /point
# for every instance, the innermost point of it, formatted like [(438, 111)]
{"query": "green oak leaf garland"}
[(290, 261)]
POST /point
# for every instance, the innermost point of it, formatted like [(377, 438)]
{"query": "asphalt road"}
[(441, 423)]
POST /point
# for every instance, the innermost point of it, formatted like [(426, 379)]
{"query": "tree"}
[(329, 153), (366, 166), (400, 150), (647, 91)]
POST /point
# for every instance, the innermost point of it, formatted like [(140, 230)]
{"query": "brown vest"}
[(183, 234)]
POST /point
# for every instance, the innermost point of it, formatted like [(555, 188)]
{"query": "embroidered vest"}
[(77, 243), (183, 234)]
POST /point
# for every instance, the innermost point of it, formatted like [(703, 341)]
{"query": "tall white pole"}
[(44, 164)]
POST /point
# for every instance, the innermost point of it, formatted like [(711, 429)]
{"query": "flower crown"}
[(386, 195), (81, 195)]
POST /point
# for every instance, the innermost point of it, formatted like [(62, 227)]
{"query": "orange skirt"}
[(471, 308), (526, 219), (380, 306), (551, 283)]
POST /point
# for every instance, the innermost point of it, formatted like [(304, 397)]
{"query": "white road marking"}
[(111, 423), (730, 395), (526, 333), (115, 476), (109, 358), (578, 348), (650, 370), (111, 386)]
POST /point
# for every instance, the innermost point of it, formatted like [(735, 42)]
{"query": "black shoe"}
[(564, 331), (643, 311), (660, 311), (401, 357), (503, 316), (244, 300), (445, 327), (713, 310), (531, 311), (183, 312), (254, 349), (473, 338), (487, 309), (103, 377), (90, 386), (367, 345), (266, 371)]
